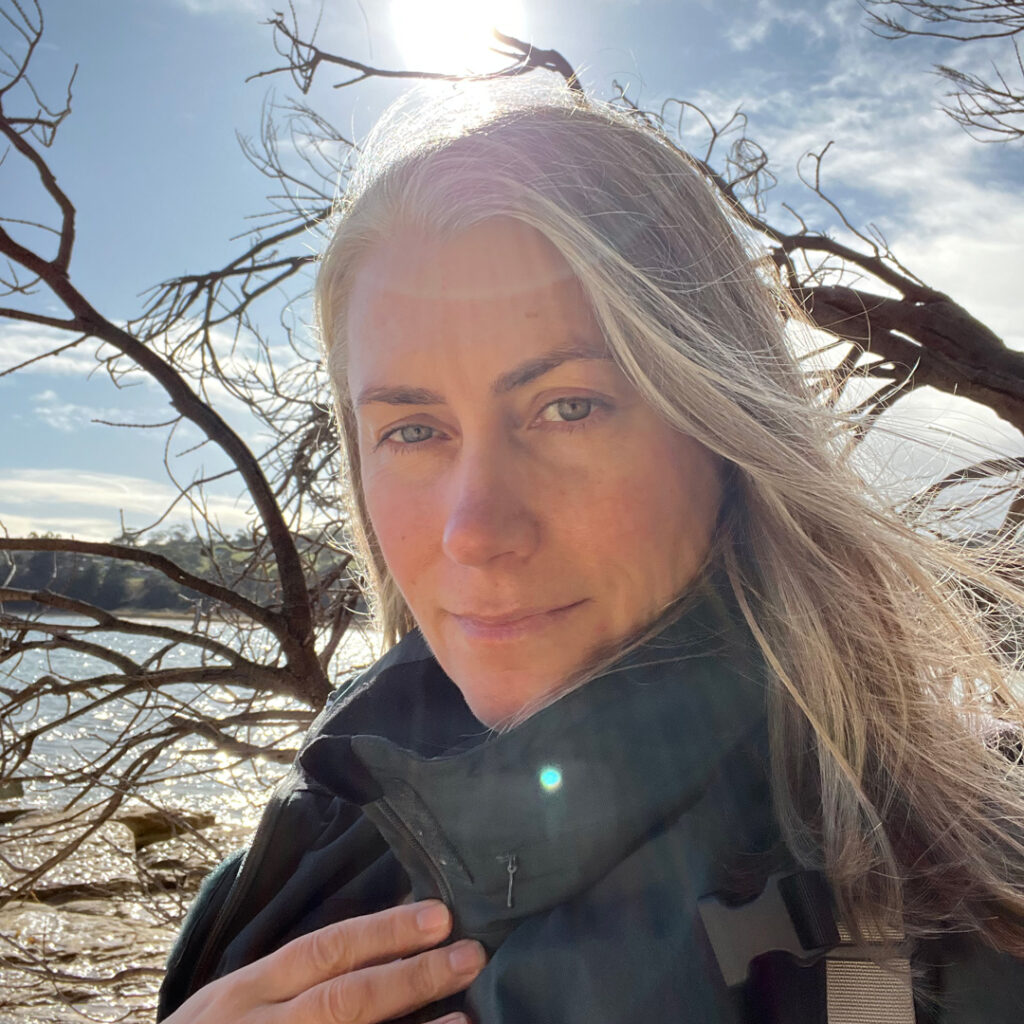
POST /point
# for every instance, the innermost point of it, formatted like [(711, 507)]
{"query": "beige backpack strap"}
[(794, 914), (859, 991)]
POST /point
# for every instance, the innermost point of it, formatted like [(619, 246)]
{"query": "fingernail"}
[(433, 916), (455, 1018), (466, 957)]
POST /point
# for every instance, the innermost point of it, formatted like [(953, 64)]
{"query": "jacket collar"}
[(523, 820)]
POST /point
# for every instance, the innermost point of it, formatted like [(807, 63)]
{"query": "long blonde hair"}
[(886, 666)]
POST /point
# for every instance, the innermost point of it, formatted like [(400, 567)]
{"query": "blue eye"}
[(568, 410), (574, 408), (411, 433)]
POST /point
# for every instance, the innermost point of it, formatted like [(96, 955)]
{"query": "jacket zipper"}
[(511, 867), (396, 822)]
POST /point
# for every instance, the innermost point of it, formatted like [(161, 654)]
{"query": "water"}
[(76, 733)]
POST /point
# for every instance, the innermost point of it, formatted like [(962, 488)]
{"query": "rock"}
[(142, 850), (10, 789), (92, 942), (99, 958), (9, 814), (183, 862), (153, 824), (102, 862)]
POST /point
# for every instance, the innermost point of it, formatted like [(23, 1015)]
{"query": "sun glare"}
[(454, 35)]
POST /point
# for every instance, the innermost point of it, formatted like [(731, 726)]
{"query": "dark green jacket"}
[(574, 847)]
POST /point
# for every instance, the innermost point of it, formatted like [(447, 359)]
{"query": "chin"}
[(509, 697)]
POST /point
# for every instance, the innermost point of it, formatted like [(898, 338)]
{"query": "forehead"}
[(494, 260), (496, 290)]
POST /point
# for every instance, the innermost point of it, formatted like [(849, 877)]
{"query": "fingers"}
[(390, 990), (349, 945)]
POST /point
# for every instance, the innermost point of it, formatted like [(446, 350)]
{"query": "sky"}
[(151, 159)]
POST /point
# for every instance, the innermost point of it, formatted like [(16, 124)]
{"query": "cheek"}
[(400, 523), (693, 500), (646, 501), (668, 506)]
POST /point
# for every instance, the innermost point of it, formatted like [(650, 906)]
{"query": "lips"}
[(505, 618), (510, 625)]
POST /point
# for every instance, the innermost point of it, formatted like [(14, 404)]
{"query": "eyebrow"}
[(517, 377)]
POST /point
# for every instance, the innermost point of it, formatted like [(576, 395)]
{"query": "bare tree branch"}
[(271, 604), (991, 109), (304, 58)]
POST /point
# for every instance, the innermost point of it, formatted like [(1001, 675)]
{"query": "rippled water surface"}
[(194, 774)]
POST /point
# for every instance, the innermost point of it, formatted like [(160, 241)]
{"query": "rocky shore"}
[(88, 943)]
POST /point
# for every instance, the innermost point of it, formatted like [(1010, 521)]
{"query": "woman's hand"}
[(362, 971)]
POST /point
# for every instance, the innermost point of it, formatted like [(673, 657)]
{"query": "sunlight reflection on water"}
[(196, 776)]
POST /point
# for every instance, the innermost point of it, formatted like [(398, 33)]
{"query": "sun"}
[(454, 35)]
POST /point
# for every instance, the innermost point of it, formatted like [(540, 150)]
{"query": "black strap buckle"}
[(793, 914)]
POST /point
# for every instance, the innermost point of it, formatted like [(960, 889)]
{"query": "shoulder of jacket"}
[(411, 649), (205, 907)]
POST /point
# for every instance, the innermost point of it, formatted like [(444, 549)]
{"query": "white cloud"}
[(942, 200), (80, 527), (69, 417), (977, 265), (67, 500), (754, 28), (241, 360), (20, 342), (343, 21), (237, 356), (220, 6), (940, 215)]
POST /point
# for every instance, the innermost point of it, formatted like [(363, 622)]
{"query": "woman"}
[(654, 641)]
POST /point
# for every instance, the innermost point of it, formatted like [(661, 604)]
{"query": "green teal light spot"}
[(550, 778)]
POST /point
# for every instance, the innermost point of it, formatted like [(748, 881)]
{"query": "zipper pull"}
[(511, 866)]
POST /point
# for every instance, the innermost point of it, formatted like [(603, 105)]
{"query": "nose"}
[(489, 514)]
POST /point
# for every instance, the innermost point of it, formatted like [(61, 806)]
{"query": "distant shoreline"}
[(131, 614)]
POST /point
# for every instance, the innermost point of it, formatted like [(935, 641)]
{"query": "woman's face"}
[(530, 505)]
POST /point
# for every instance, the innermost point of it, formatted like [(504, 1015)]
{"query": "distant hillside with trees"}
[(116, 585)]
